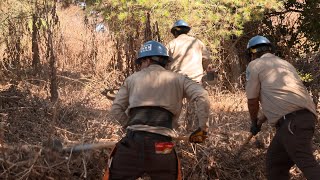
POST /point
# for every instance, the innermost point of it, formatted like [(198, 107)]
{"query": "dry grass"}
[(82, 117), (29, 121)]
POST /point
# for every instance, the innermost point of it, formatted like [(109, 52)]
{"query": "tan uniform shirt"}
[(155, 86), (279, 87), (187, 53)]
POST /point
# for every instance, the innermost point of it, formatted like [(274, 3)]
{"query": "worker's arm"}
[(253, 106), (253, 88), (262, 118), (120, 105), (206, 60), (206, 64), (171, 48)]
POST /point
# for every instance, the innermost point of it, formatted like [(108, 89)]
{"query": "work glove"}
[(198, 136), (255, 128), (210, 76), (211, 73)]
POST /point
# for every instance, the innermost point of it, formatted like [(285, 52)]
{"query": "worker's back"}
[(156, 87), (187, 54), (280, 87)]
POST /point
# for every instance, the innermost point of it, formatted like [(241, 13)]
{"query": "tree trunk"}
[(53, 71), (35, 44)]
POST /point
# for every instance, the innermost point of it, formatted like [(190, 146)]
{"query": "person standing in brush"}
[(152, 98), (287, 105), (189, 56)]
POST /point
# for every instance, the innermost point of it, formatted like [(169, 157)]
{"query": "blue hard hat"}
[(258, 40), (152, 48), (179, 24), (100, 27)]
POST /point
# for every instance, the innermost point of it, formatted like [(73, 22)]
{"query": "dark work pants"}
[(292, 144), (135, 155)]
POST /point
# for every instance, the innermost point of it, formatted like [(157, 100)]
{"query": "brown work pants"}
[(292, 144), (135, 155)]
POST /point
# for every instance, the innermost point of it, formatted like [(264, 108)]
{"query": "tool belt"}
[(139, 135), (290, 115), (150, 115)]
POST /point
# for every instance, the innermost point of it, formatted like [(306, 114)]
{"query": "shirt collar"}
[(156, 66), (267, 55), (182, 35)]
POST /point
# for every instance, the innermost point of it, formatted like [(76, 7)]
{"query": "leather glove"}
[(198, 136), (211, 73), (255, 128), (210, 76)]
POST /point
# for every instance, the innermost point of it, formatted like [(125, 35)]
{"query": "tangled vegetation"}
[(54, 65)]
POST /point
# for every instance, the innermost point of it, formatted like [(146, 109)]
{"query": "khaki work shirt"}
[(187, 53), (279, 87), (156, 86)]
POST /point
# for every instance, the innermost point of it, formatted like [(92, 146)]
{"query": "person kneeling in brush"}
[(153, 99), (287, 105)]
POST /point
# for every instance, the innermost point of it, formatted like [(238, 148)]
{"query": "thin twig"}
[(85, 168), (30, 169), (68, 167)]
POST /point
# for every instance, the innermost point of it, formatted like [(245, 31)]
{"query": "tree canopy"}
[(223, 25)]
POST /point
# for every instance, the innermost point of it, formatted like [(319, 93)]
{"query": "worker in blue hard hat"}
[(147, 105), (189, 55), (286, 104)]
